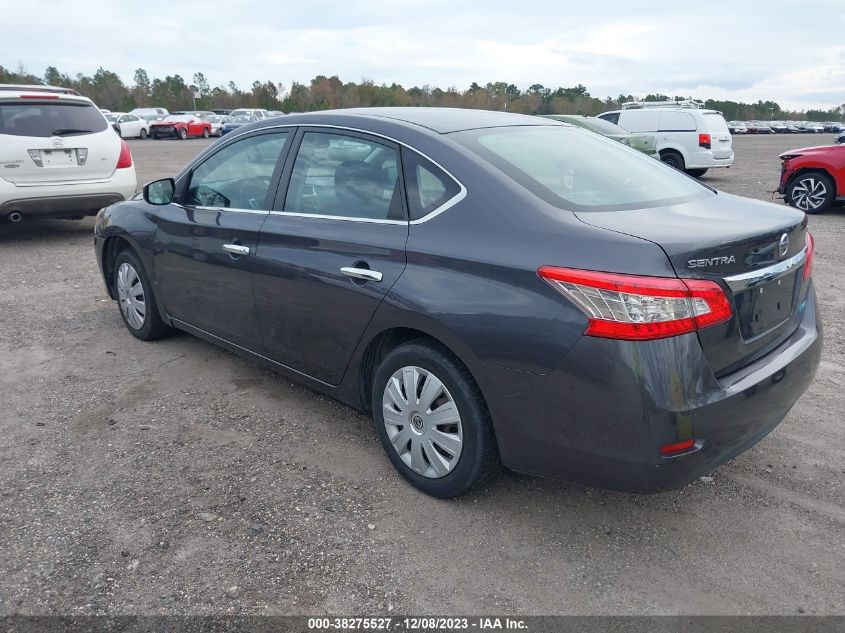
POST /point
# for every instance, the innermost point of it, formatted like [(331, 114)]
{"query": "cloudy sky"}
[(790, 52)]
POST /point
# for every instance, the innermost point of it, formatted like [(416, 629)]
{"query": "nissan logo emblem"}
[(57, 142), (783, 245)]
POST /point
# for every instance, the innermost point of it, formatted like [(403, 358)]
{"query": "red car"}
[(180, 126), (811, 179)]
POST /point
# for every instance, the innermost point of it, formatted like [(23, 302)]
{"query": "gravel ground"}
[(177, 478)]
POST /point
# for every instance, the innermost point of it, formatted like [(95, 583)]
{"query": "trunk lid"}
[(57, 139), (730, 240)]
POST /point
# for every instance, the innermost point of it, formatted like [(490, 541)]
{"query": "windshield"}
[(112, 118), (178, 117), (572, 168), (240, 112), (50, 119), (240, 118)]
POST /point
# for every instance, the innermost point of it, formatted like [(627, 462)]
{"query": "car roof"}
[(37, 88), (37, 96), (440, 120), (666, 109)]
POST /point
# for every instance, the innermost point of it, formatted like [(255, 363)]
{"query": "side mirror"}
[(160, 192)]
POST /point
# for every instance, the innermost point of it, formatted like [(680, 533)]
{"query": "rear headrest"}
[(358, 174)]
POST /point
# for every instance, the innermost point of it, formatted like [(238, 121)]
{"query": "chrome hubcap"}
[(809, 194), (422, 422), (130, 296)]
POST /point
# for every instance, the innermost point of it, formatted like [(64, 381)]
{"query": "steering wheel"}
[(252, 190)]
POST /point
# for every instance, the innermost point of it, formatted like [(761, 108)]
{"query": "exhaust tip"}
[(15, 216)]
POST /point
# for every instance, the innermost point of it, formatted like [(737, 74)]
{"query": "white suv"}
[(689, 137), (58, 155)]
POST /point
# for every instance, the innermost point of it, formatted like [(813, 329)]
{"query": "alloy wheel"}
[(130, 296), (422, 422), (809, 193)]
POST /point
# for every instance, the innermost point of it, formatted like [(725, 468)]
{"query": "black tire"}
[(479, 460), (183, 134), (205, 132), (673, 159), (806, 203), (143, 134), (153, 327), (696, 173)]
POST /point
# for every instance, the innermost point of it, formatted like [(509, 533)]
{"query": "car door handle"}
[(362, 273), (236, 249)]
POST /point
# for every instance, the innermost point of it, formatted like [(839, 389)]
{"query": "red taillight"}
[(667, 450), (808, 263), (704, 141), (125, 158), (640, 308)]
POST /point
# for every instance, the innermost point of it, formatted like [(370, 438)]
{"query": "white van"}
[(689, 137), (58, 156)]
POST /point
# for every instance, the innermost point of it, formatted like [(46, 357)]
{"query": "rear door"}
[(54, 138), (330, 251), (205, 243), (720, 136)]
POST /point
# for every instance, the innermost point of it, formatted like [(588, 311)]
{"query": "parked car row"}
[(784, 127), (159, 123)]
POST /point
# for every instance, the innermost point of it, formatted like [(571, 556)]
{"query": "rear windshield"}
[(50, 119), (604, 127), (575, 169), (715, 123)]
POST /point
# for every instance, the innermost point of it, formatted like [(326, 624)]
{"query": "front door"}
[(331, 250), (205, 243)]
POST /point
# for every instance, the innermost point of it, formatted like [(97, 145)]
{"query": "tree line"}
[(109, 91)]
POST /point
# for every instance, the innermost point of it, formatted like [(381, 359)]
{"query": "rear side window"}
[(428, 186), (677, 122), (50, 119), (345, 176), (613, 117), (640, 120)]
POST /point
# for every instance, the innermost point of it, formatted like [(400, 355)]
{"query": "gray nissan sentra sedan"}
[(494, 288)]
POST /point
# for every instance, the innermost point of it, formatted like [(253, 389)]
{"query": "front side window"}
[(575, 169), (344, 176), (239, 175), (428, 186)]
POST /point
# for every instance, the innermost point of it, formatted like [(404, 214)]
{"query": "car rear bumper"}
[(67, 199), (602, 416), (706, 160)]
